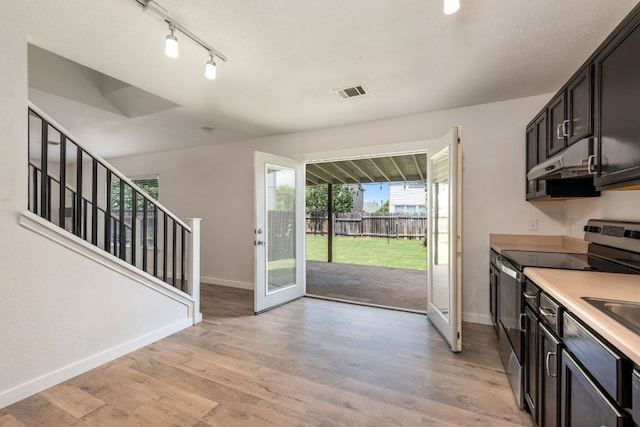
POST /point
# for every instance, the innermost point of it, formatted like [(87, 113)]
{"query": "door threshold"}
[(346, 301)]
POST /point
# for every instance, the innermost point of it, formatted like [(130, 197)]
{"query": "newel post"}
[(194, 268)]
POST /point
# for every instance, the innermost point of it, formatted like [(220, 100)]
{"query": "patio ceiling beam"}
[(357, 180), (337, 178), (321, 179), (404, 177), (415, 160), (311, 181), (379, 170), (361, 171)]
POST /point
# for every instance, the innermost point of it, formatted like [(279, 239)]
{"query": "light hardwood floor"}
[(308, 363)]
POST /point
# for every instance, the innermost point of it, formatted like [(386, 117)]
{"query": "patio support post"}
[(330, 222)]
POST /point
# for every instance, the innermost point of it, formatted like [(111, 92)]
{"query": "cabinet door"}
[(493, 295), (580, 106), (557, 116), (532, 159), (583, 404), (542, 137), (618, 80), (537, 140), (531, 362), (542, 141), (549, 378)]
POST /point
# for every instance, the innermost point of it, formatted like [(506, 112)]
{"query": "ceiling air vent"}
[(350, 92)]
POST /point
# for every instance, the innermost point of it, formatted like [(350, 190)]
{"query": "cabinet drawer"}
[(551, 313), (530, 295), (606, 366)]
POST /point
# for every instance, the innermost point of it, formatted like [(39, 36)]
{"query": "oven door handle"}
[(507, 269)]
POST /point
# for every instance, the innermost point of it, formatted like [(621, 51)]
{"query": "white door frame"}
[(263, 298), (448, 323)]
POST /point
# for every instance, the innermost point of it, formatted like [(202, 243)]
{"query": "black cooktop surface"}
[(522, 259)]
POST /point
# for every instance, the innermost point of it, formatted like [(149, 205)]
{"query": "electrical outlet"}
[(533, 225)]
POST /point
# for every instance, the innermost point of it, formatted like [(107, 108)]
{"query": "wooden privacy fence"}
[(370, 224)]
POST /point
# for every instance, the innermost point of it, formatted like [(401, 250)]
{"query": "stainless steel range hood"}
[(573, 162)]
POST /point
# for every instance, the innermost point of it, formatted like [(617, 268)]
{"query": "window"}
[(150, 185)]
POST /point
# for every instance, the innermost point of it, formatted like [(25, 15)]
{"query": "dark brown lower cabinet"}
[(531, 362), (549, 379), (582, 402)]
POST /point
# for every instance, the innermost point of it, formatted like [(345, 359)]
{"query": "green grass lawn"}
[(376, 251)]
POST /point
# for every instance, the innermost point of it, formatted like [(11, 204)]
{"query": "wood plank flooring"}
[(308, 363)]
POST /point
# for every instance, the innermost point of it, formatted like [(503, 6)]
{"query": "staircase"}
[(82, 194)]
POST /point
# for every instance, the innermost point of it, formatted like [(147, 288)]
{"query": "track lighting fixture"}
[(171, 48), (210, 69), (451, 6)]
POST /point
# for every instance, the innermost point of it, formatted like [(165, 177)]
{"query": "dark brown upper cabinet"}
[(557, 124), (571, 112), (580, 106), (600, 102), (618, 104), (537, 141)]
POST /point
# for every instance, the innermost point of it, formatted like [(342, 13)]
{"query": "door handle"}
[(546, 312), (521, 321), (591, 164), (547, 363)]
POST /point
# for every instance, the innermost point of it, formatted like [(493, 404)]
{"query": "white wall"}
[(216, 183), (614, 205), (61, 313)]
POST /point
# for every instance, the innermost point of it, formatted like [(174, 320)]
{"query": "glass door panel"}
[(281, 228)]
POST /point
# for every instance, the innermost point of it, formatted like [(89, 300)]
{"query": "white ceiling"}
[(287, 56)]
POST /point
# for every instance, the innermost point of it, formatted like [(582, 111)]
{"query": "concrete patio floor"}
[(381, 286)]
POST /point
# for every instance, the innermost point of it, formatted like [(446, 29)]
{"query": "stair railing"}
[(83, 194)]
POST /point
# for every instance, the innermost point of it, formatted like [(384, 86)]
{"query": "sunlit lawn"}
[(375, 251)]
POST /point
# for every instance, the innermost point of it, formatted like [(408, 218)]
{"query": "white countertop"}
[(540, 243), (568, 286)]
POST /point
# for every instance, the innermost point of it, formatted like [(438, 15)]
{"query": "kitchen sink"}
[(626, 313)]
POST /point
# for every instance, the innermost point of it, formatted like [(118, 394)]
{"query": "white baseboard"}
[(228, 283), (483, 319), (50, 379)]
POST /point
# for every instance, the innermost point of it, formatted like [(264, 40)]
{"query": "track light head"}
[(171, 48), (210, 69)]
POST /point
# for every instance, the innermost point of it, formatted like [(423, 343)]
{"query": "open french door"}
[(279, 270), (444, 239)]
